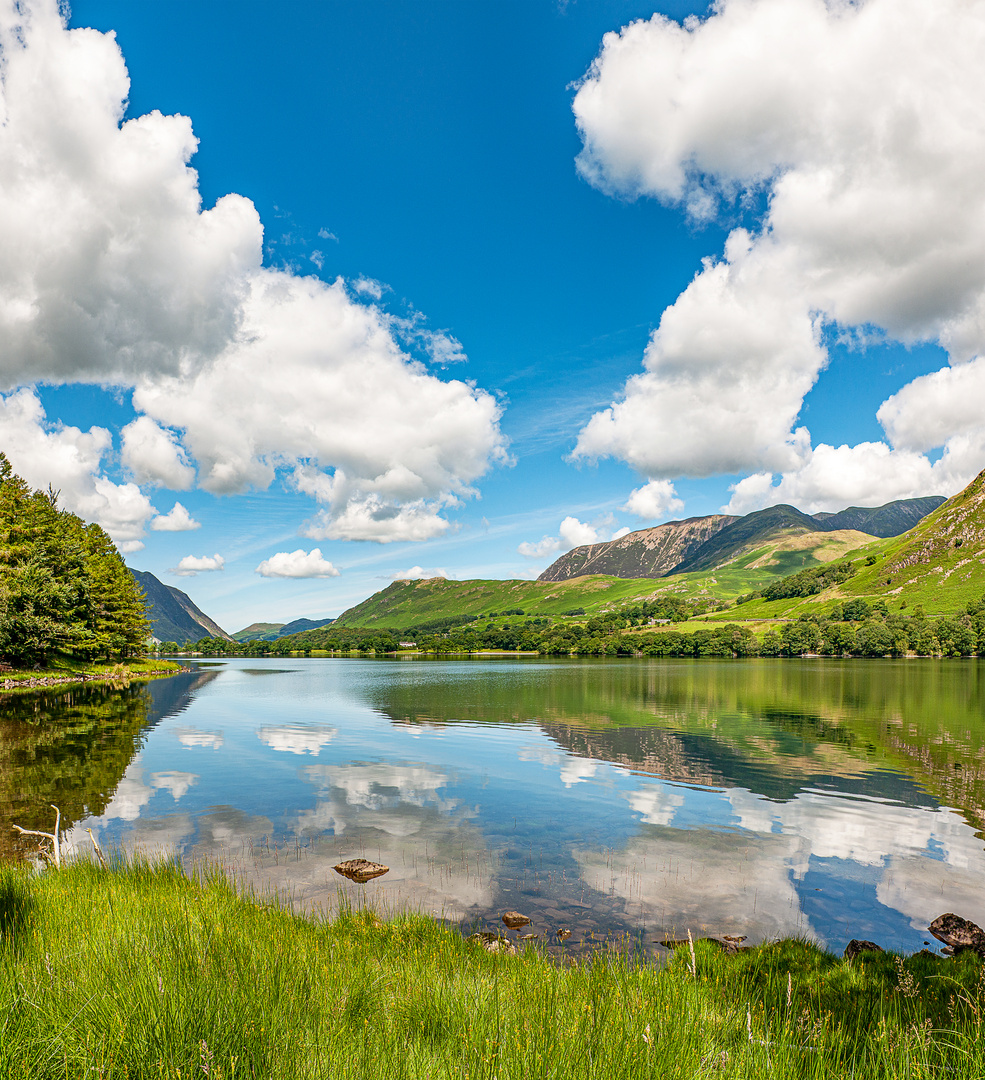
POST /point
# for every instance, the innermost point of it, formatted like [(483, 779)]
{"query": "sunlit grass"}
[(140, 972), (64, 668)]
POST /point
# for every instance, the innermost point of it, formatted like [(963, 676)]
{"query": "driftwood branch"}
[(56, 847), (99, 852)]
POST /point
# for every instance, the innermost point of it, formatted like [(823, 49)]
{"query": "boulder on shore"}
[(858, 946), (958, 934)]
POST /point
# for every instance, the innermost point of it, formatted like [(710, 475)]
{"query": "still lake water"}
[(831, 799)]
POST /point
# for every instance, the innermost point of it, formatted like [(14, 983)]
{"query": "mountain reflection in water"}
[(825, 798)]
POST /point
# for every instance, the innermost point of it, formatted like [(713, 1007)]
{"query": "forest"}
[(64, 589)]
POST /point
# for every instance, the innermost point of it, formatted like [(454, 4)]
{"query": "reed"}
[(138, 971)]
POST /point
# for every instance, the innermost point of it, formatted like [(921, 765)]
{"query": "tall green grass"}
[(140, 972)]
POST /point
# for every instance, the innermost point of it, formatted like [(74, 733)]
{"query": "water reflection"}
[(762, 798)]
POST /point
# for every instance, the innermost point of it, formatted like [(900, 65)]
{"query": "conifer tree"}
[(63, 586)]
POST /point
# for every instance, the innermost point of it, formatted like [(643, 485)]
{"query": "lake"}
[(822, 798)]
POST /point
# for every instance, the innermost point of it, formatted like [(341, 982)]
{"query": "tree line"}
[(64, 589)]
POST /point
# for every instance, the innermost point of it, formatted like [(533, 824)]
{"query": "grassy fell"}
[(140, 972)]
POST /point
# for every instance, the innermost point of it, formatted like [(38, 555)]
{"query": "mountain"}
[(745, 533), (884, 521), (258, 631), (172, 614), (270, 631), (701, 545), (646, 553)]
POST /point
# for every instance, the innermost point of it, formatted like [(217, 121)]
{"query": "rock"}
[(493, 943), (529, 937), (730, 943), (361, 870), (562, 935), (958, 934), (856, 947), (514, 920)]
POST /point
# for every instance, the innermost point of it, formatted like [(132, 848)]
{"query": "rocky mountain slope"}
[(646, 553), (699, 545), (172, 614)]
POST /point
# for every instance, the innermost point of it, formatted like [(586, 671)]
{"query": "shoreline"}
[(43, 681)]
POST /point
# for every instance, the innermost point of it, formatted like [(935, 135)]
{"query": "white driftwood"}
[(53, 837), (99, 852)]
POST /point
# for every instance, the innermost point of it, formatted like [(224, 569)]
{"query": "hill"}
[(172, 614), (741, 557), (404, 604), (257, 631), (701, 545), (941, 559), (938, 565), (646, 553), (272, 631)]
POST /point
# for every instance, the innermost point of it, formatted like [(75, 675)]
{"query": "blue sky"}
[(425, 154)]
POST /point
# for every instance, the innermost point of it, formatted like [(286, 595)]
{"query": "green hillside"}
[(409, 603), (938, 565), (258, 631), (406, 604)]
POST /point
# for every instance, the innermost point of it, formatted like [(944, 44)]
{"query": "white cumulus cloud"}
[(70, 460), (297, 564), (657, 499), (573, 533), (154, 455), (177, 519), (113, 271), (855, 126), (191, 565), (418, 573)]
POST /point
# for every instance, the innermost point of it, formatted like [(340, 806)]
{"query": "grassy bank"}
[(70, 671), (141, 973)]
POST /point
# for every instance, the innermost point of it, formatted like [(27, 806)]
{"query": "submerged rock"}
[(361, 870), (562, 935), (857, 946), (514, 920), (492, 943)]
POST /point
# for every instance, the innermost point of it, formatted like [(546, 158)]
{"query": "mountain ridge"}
[(173, 615), (703, 543)]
